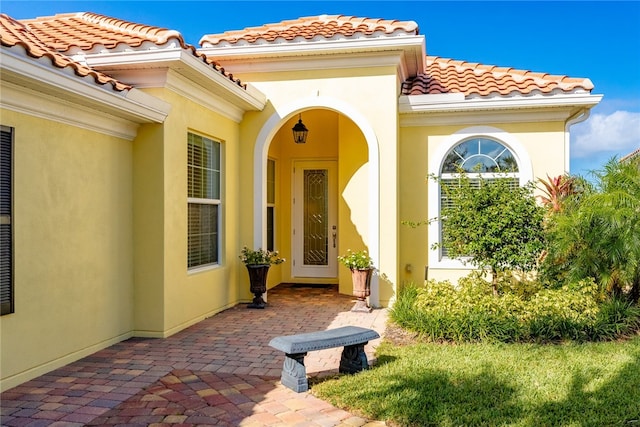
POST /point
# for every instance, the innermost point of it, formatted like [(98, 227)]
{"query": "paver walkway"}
[(220, 372)]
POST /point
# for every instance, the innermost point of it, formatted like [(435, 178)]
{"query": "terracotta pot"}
[(361, 283)]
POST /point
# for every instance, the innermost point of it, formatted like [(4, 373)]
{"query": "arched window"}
[(480, 155), (485, 151), (481, 158)]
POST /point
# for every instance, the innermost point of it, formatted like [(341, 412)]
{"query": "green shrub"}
[(440, 311), (403, 312), (564, 313), (617, 317)]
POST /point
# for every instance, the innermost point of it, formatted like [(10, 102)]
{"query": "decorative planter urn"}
[(361, 288), (258, 283)]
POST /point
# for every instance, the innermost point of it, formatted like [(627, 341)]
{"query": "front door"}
[(315, 232)]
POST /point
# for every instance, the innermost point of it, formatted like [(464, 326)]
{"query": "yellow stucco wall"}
[(353, 197), (73, 246), (169, 297), (101, 237)]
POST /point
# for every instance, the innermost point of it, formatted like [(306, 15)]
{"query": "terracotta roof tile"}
[(324, 26), (89, 30), (473, 79), (91, 33), (13, 34), (631, 155)]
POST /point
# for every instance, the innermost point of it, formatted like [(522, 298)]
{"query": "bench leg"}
[(353, 359), (294, 373)]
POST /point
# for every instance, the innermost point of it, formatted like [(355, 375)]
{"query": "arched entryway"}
[(356, 224)]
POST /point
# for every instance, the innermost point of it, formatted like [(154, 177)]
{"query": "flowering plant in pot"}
[(359, 260), (361, 265), (258, 262), (260, 257)]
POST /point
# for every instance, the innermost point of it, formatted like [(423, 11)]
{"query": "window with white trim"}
[(204, 178), (482, 158), (6, 227), (271, 203)]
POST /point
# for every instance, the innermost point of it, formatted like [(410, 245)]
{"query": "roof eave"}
[(185, 63), (443, 109), (246, 57), (39, 75)]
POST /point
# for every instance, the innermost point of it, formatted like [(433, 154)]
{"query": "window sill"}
[(203, 269)]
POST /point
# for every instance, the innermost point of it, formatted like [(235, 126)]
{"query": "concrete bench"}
[(295, 347)]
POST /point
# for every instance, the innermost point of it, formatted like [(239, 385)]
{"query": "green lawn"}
[(592, 384)]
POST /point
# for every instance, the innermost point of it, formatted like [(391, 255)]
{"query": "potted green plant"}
[(258, 262), (361, 266)]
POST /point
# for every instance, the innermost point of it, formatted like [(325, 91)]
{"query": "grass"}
[(532, 385)]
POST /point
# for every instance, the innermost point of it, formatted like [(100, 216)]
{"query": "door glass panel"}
[(316, 224)]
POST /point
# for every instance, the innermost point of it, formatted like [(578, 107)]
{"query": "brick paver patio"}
[(219, 372)]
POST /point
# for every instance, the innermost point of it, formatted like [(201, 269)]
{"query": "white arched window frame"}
[(524, 174)]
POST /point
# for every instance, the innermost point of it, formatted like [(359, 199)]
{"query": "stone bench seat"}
[(296, 347)]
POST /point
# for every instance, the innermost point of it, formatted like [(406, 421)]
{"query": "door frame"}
[(298, 269)]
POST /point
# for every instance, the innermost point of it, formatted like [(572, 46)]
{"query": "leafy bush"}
[(596, 233), (440, 311), (564, 313), (492, 223), (616, 318)]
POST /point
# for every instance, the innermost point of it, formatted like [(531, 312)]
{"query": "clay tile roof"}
[(14, 34), (89, 30), (324, 26), (92, 32), (473, 79)]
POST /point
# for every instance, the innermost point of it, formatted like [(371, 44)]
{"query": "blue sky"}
[(598, 40)]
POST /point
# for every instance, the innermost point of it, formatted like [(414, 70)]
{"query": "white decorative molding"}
[(329, 62), (186, 88), (435, 110), (26, 101), (40, 75), (127, 64), (407, 52)]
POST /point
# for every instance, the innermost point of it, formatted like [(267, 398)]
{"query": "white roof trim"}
[(297, 63), (456, 102), (448, 109), (42, 76), (184, 62), (38, 104), (313, 46), (196, 93), (238, 57)]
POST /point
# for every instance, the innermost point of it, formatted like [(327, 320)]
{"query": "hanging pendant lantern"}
[(300, 132)]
